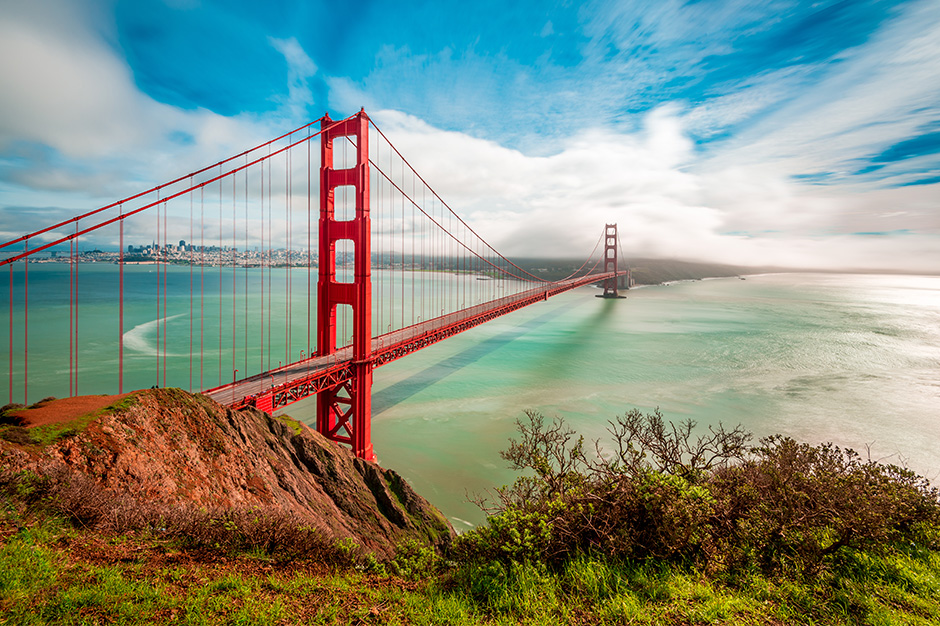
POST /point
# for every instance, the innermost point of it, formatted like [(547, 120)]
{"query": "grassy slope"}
[(51, 572)]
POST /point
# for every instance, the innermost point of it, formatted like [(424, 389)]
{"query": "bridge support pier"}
[(344, 411), (610, 262)]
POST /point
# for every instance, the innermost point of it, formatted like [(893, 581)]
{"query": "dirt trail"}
[(63, 410)]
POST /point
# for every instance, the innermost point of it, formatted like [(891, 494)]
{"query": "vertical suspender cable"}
[(451, 305), (220, 262), (413, 229), (202, 283), (245, 268), (121, 306), (402, 271), (78, 256), (26, 325), (427, 256), (157, 252), (270, 252), (165, 267), (308, 242), (234, 273), (440, 289), (191, 252), (71, 318), (261, 308), (390, 243), (287, 219), (11, 336)]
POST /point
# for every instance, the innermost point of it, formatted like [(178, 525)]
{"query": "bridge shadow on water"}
[(419, 381)]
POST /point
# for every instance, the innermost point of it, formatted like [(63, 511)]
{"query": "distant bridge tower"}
[(610, 262), (344, 411)]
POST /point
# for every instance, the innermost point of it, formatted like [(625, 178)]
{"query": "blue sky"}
[(796, 133)]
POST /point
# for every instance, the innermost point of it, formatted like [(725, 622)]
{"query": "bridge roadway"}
[(277, 388)]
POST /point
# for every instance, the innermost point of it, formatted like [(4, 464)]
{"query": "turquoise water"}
[(849, 359), (844, 358), (166, 344)]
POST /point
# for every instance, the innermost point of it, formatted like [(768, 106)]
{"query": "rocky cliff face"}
[(171, 447)]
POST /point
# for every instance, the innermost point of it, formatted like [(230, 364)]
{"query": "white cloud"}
[(69, 97), (65, 89), (646, 182), (872, 97), (743, 101), (300, 67)]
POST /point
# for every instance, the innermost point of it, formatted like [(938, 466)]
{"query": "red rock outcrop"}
[(170, 447)]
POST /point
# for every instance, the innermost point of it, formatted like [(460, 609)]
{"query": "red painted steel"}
[(288, 384), (610, 261), (346, 407), (121, 312), (11, 335), (26, 327)]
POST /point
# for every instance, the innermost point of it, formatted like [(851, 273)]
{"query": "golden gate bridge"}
[(357, 206)]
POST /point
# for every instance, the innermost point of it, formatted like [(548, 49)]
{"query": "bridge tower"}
[(344, 411), (610, 261)]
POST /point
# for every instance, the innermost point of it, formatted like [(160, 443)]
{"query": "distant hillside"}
[(645, 271), (656, 271), (172, 448)]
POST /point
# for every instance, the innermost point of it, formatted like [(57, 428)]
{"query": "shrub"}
[(659, 493), (18, 434), (793, 504), (7, 411), (415, 560), (518, 533)]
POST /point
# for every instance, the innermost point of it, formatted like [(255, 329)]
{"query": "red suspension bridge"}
[(333, 265)]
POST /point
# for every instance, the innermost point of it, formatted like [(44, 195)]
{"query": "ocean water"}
[(852, 359)]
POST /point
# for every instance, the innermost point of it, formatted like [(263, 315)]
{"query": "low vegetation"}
[(661, 524), (12, 427)]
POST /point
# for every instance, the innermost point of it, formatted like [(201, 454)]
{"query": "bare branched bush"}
[(646, 441), (551, 451)]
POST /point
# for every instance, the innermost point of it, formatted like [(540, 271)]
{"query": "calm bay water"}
[(845, 358), (849, 359)]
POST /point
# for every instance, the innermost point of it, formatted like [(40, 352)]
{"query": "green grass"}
[(291, 423), (121, 405), (42, 582), (50, 433)]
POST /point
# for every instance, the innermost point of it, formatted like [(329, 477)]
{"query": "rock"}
[(171, 447)]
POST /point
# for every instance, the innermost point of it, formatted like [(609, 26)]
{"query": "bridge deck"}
[(282, 386)]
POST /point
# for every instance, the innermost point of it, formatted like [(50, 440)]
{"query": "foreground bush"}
[(657, 492), (792, 504)]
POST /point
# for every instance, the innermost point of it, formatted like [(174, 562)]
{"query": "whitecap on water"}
[(141, 337)]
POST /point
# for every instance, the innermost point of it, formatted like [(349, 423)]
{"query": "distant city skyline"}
[(790, 133)]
